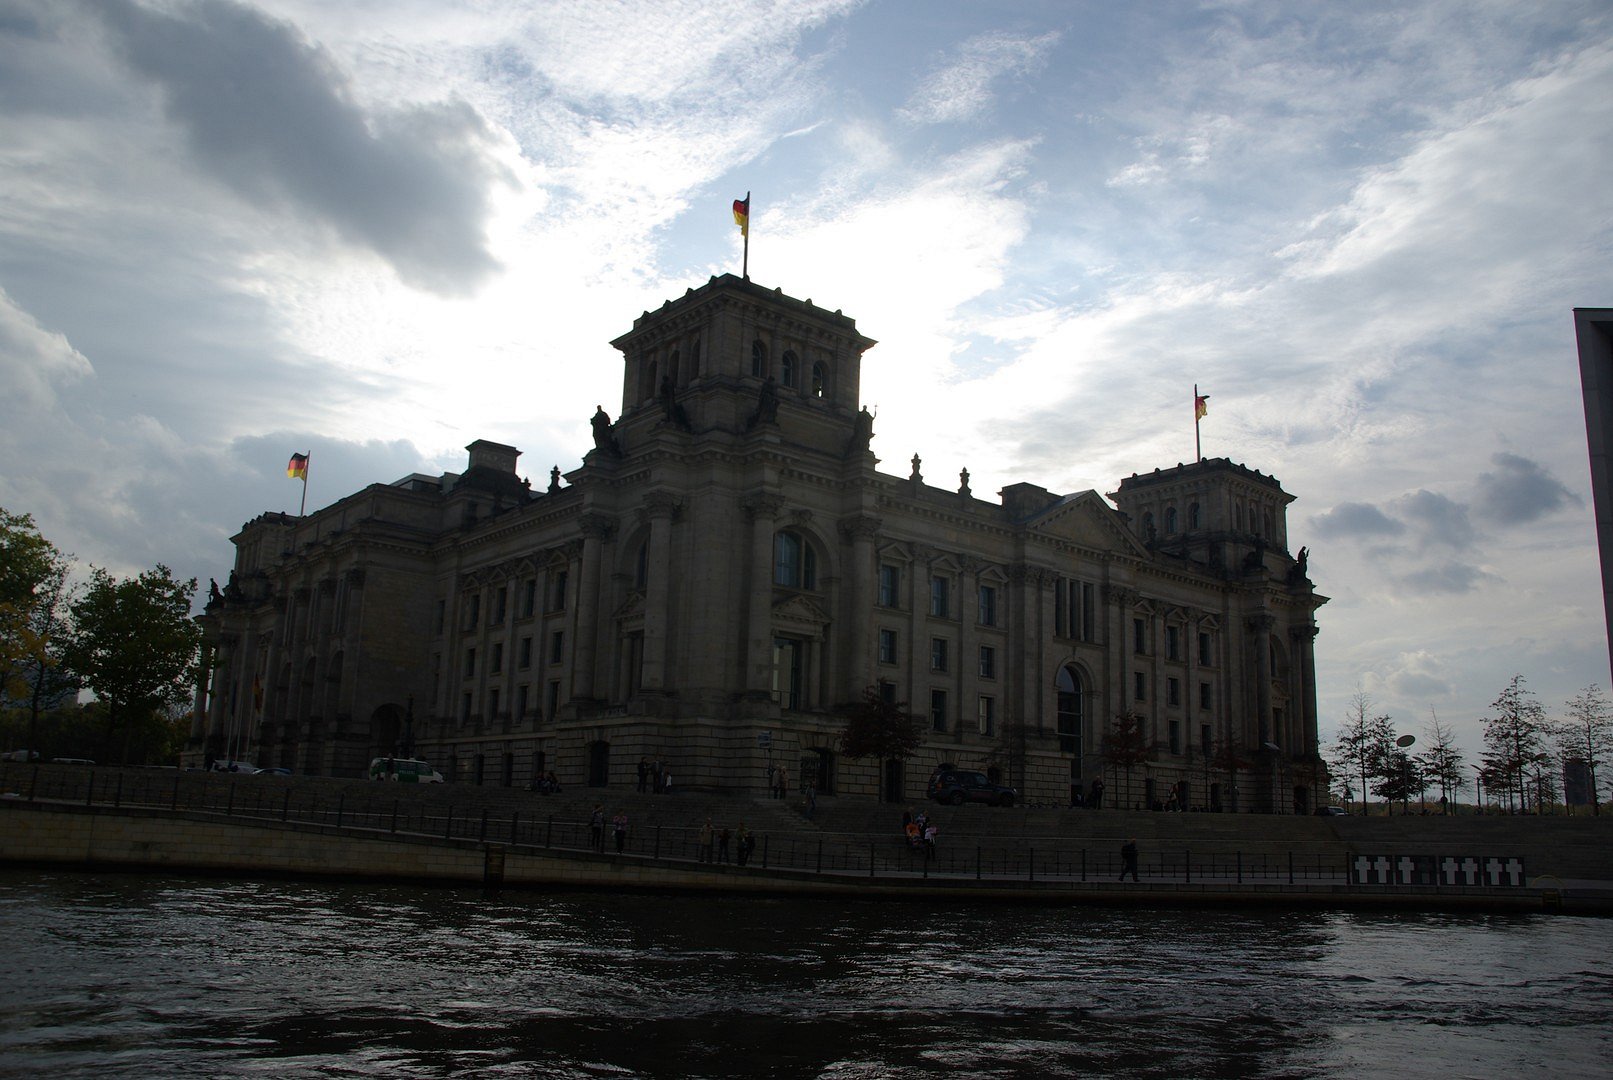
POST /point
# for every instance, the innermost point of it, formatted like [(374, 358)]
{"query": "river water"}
[(142, 976)]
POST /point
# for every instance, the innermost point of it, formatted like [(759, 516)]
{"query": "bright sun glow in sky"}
[(380, 229)]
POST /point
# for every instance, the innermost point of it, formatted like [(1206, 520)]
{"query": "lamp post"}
[(1478, 789), (1540, 786)]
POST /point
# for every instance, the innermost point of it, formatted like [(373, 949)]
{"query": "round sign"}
[(1405, 740)]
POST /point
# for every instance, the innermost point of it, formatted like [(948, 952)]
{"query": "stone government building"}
[(728, 565)]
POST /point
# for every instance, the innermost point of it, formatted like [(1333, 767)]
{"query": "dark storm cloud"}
[(1436, 518), (269, 114), (1520, 491), (1356, 519)]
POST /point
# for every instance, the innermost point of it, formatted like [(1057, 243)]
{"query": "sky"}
[(378, 230)]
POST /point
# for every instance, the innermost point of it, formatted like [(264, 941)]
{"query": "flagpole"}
[(1198, 452), (302, 508), (744, 265)]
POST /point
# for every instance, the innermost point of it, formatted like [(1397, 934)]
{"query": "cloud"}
[(34, 360), (270, 115), (1436, 518), (962, 89), (1520, 491), (1447, 579), (1350, 519)]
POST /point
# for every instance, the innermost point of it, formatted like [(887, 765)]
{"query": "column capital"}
[(662, 504), (860, 527), (596, 526), (762, 506)]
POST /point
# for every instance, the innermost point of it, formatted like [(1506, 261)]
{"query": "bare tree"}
[(1514, 738), (1585, 734), (1363, 745), (1441, 763)]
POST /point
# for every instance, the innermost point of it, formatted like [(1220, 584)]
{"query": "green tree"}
[(1126, 745), (1363, 745), (135, 646), (1586, 734), (32, 573), (1398, 778), (880, 729), (1441, 763), (1514, 736)]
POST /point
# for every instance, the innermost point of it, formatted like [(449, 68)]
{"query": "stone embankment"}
[(164, 819)]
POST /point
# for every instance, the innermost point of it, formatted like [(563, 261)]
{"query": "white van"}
[(404, 770)]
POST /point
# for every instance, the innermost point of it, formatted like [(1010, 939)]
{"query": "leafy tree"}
[(1126, 745), (1363, 745), (1514, 736), (1398, 778), (134, 645), (1586, 734), (1224, 756), (879, 729), (1441, 763), (32, 572)]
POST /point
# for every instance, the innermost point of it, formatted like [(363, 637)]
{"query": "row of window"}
[(1173, 642), (495, 655), (1173, 691), (498, 609), (792, 373), (890, 596), (523, 703), (940, 717)]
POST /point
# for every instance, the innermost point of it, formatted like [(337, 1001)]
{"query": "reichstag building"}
[(728, 568)]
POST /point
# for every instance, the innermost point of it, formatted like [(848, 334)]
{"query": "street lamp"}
[(1478, 790)]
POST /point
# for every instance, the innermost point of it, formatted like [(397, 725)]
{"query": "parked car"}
[(243, 768), (404, 770), (1331, 811), (958, 786), (20, 755)]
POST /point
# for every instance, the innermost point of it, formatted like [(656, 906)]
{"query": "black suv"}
[(958, 786)]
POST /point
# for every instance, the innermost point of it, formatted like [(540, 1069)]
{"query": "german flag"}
[(297, 467), (742, 215)]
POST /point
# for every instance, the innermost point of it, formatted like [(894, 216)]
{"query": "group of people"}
[(654, 777), (596, 828), (547, 784), (919, 832), (713, 843)]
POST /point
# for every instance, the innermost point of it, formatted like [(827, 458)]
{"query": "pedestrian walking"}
[(706, 834), (742, 836), (643, 774), (596, 827), (722, 844), (619, 825), (1128, 860)]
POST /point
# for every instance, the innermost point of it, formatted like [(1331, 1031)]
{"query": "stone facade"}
[(728, 566)]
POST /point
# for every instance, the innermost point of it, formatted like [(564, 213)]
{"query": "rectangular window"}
[(525, 660), (1139, 636), (464, 709), (890, 581), (887, 691), (557, 591), (1139, 686), (1173, 692), (1173, 643), (787, 656), (988, 715), (939, 598), (1206, 743), (470, 663), (1206, 696), (473, 611), (521, 701), (557, 646), (1204, 650), (1088, 606), (496, 661), (492, 704), (988, 662), (529, 597), (938, 654), (500, 598), (887, 646), (552, 706), (988, 606), (938, 710), (1176, 736)]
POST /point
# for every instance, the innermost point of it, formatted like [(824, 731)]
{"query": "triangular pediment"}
[(800, 611), (1086, 520), (632, 608)]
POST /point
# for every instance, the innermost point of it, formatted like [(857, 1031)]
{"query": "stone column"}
[(966, 665), (596, 530), (663, 509), (762, 510), (1306, 720), (1261, 626), (858, 605)]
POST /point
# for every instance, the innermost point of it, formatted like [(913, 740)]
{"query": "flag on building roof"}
[(297, 467), (1201, 405), (742, 215)]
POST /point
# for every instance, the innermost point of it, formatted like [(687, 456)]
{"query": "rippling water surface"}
[(116, 976)]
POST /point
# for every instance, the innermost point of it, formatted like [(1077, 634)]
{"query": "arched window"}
[(758, 359), (694, 359), (820, 381), (1193, 522), (1069, 711), (1270, 532), (795, 564), (789, 367), (1148, 524), (1170, 520)]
